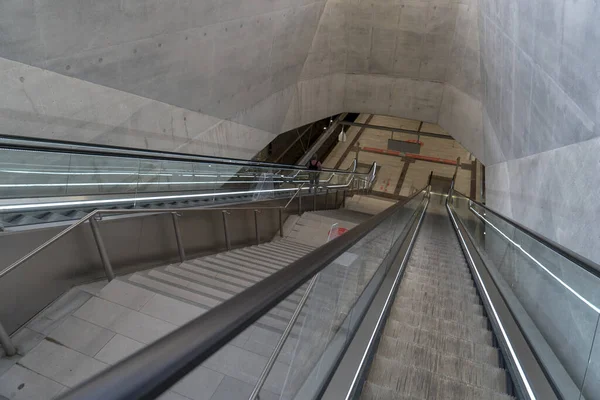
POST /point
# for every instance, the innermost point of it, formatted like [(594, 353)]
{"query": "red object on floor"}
[(335, 232)]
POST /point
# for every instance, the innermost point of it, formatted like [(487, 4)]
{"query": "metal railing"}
[(151, 371), (575, 258), (55, 146), (96, 215)]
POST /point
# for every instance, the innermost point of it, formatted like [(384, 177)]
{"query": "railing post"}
[(326, 198), (336, 200), (344, 199), (6, 343), (102, 249), (281, 222), (256, 227), (299, 204), (315, 201), (226, 230), (178, 236)]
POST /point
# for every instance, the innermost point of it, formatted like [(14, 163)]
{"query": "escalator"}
[(437, 343), (437, 297), (45, 182)]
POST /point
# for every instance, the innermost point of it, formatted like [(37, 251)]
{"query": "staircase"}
[(96, 325), (436, 343)]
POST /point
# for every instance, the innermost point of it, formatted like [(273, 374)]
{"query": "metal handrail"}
[(99, 212), (23, 206), (294, 196), (154, 369), (55, 146), (92, 217), (575, 258)]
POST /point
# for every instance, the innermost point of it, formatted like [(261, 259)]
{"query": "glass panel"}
[(93, 175), (140, 182), (591, 383), (560, 297), (26, 173), (329, 317)]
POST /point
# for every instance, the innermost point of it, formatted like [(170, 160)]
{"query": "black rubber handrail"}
[(57, 146), (154, 369), (570, 255)]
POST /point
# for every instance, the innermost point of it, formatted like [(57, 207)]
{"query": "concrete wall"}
[(404, 58), (541, 103), (230, 67), (541, 114), (264, 65)]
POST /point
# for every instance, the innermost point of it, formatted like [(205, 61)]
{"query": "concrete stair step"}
[(218, 273), (286, 249), (269, 255), (246, 262), (256, 259), (222, 266), (291, 243)]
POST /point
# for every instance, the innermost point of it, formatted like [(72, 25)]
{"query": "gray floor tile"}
[(172, 396), (101, 312), (61, 364), (119, 319), (50, 318), (141, 327), (7, 363), (20, 383), (237, 363), (117, 349), (171, 310), (26, 339), (125, 294), (93, 288), (200, 384), (81, 335), (234, 389)]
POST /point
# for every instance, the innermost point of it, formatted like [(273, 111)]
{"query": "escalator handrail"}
[(570, 255), (7, 205), (154, 369), (54, 146)]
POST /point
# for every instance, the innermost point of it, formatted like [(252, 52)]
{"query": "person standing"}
[(314, 165)]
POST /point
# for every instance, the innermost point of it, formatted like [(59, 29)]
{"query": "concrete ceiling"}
[(270, 65)]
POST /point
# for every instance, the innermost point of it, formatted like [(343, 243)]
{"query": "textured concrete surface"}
[(217, 77), (541, 86)]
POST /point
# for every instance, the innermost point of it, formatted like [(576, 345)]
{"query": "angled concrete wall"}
[(264, 65), (233, 65), (541, 113), (404, 58)]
